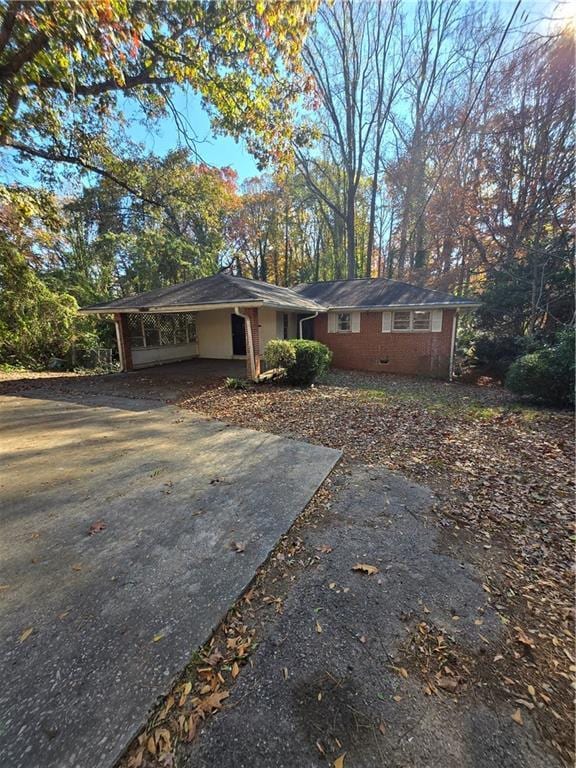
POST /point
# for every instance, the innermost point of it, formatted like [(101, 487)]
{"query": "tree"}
[(346, 56), (35, 322), (116, 243), (68, 69)]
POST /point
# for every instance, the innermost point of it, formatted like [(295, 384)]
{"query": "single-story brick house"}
[(371, 324)]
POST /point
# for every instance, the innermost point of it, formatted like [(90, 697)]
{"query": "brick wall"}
[(419, 353)]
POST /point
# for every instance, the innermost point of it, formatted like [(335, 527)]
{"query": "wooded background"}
[(429, 142)]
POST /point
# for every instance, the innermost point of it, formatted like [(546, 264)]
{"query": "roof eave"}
[(383, 307), (96, 310)]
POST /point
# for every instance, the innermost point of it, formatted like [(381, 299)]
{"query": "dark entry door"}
[(238, 335)]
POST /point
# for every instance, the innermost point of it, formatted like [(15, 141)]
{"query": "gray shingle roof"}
[(376, 292), (218, 289), (308, 297)]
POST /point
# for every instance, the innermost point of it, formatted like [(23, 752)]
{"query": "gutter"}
[(452, 347), (384, 307), (300, 322), (164, 310)]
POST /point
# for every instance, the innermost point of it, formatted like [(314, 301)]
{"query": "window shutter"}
[(355, 322), (332, 320), (436, 320), (386, 322)]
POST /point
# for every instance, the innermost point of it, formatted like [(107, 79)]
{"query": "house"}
[(371, 324)]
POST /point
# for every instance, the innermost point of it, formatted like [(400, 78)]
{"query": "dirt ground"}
[(502, 477)]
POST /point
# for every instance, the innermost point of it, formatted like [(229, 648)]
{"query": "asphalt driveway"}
[(127, 530)]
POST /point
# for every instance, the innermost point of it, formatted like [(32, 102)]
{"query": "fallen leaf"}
[(192, 727), (26, 634), (320, 748), (136, 760), (339, 762), (318, 627), (523, 638), (370, 570), (97, 527), (238, 546), (447, 683), (517, 717), (382, 728), (77, 567), (157, 638), (325, 549), (397, 698), (151, 745), (214, 701), (330, 586), (4, 586), (235, 670), (532, 691), (401, 671), (184, 693)]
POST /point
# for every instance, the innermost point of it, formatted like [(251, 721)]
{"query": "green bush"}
[(496, 353), (233, 383), (279, 354), (312, 360), (547, 374)]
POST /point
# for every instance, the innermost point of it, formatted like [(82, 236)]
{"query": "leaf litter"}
[(501, 472)]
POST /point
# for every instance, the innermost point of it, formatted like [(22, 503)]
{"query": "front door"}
[(238, 335)]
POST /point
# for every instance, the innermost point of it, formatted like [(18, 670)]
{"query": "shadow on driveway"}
[(94, 628)]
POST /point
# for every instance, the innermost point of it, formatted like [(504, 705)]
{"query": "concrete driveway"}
[(127, 531)]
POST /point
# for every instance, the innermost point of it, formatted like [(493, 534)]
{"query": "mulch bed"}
[(502, 473)]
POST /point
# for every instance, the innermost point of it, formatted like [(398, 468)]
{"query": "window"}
[(344, 322), (401, 321), (151, 330), (285, 333), (418, 320)]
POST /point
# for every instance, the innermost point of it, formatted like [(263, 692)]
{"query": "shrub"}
[(496, 353), (279, 354), (547, 374), (312, 360), (233, 383)]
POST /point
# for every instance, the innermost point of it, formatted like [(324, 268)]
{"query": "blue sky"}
[(215, 150), (223, 150)]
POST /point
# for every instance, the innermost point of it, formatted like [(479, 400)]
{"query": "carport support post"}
[(252, 343), (123, 339)]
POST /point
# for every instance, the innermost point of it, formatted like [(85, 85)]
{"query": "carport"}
[(223, 317)]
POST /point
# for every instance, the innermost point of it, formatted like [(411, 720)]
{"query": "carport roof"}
[(219, 290)]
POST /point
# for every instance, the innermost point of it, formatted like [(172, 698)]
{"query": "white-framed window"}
[(421, 320), (415, 320), (412, 320), (344, 322), (401, 320)]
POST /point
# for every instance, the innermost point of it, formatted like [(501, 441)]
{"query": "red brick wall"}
[(419, 353)]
